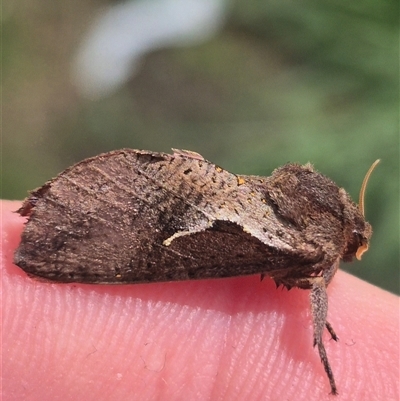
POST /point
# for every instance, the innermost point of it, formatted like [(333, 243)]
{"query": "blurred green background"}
[(281, 81)]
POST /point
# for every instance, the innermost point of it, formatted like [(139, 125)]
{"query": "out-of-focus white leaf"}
[(122, 34)]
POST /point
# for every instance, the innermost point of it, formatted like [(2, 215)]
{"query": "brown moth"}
[(132, 216)]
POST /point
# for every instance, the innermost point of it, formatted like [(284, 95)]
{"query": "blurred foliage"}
[(284, 81)]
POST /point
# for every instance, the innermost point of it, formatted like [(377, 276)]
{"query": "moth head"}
[(361, 231)]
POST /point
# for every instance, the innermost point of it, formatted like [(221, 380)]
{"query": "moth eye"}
[(354, 246)]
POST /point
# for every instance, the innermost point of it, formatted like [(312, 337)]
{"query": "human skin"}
[(225, 339)]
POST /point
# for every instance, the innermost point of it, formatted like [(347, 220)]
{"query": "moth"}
[(132, 216)]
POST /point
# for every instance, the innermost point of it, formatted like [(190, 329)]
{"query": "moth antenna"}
[(364, 185)]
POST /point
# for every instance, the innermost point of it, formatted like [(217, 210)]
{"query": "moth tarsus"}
[(132, 216)]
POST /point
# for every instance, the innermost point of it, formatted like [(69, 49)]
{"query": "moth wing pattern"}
[(108, 219)]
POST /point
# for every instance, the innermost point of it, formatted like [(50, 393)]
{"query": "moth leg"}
[(329, 273), (331, 331), (319, 310), (328, 276)]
